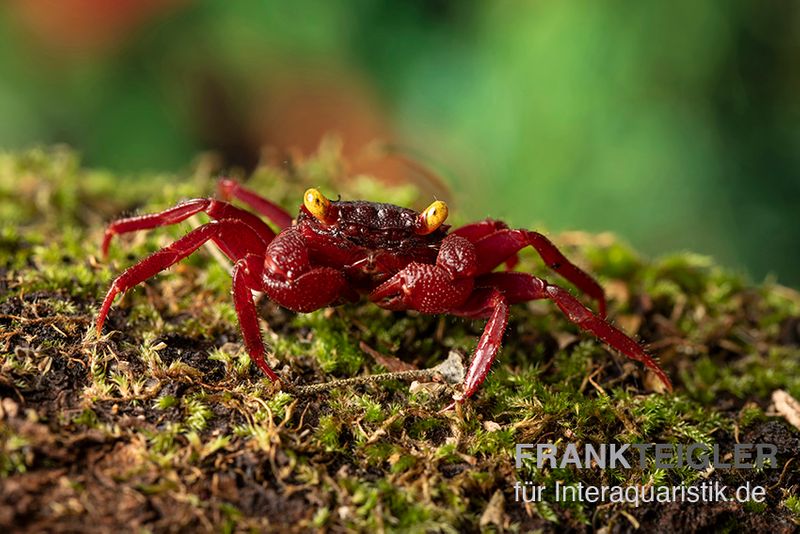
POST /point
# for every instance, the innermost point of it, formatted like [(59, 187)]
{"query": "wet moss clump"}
[(165, 424)]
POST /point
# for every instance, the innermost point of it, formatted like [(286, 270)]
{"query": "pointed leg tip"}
[(105, 307), (257, 357), (98, 326), (275, 378)]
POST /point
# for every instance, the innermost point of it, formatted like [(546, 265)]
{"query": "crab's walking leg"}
[(482, 303), (215, 209), (246, 275), (229, 189), (478, 230), (521, 287), (494, 249), (235, 235)]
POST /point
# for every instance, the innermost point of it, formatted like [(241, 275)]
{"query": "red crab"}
[(337, 251)]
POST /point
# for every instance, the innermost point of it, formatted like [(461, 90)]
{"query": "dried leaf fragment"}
[(787, 406), (495, 511)]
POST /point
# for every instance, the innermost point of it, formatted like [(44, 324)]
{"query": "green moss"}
[(336, 351), (327, 433), (14, 454), (616, 260), (198, 414), (165, 402), (87, 418), (792, 503), (404, 463), (755, 507)]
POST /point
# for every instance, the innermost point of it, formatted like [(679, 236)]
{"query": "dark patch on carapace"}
[(374, 226)]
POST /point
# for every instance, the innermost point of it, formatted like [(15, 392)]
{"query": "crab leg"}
[(477, 230), (494, 249), (494, 304), (246, 274), (521, 287), (229, 189), (232, 235), (215, 209)]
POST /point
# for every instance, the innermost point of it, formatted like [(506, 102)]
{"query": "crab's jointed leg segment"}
[(478, 230), (494, 249), (215, 209), (230, 234), (521, 287), (246, 275), (229, 189), (493, 304)]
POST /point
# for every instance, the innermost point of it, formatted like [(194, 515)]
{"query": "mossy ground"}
[(164, 424)]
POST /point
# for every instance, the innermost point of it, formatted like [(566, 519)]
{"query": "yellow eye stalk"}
[(432, 218), (319, 206)]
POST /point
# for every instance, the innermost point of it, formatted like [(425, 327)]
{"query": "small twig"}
[(415, 374), (55, 319), (780, 479), (589, 379), (451, 371)]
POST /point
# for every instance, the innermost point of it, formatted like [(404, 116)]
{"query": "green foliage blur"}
[(673, 124)]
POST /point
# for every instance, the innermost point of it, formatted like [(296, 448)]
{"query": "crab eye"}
[(432, 218), (318, 205)]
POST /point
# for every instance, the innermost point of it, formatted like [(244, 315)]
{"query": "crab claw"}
[(391, 294)]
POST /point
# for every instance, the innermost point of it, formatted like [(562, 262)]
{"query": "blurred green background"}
[(673, 124)]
